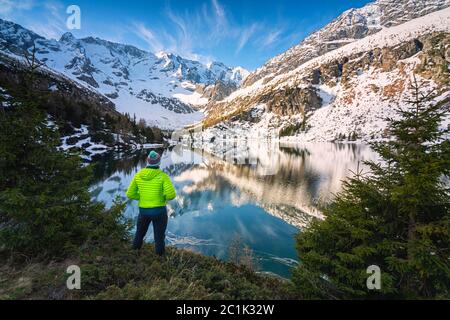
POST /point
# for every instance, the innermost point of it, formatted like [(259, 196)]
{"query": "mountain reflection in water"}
[(265, 201)]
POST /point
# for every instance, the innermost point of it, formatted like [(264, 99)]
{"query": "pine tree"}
[(397, 217), (45, 204), (303, 126)]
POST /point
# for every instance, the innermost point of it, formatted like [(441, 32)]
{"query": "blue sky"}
[(239, 33)]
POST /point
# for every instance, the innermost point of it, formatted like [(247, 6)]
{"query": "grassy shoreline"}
[(114, 271)]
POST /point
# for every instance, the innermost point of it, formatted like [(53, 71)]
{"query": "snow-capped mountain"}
[(87, 121), (352, 25), (341, 81), (161, 88)]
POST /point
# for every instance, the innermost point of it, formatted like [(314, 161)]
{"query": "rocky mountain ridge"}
[(158, 87), (352, 25), (345, 93)]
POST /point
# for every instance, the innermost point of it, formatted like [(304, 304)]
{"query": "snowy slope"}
[(389, 37), (157, 87), (350, 26), (356, 85)]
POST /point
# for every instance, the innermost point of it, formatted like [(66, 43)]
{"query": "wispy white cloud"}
[(246, 34), (148, 36), (187, 33), (272, 37), (220, 14), (8, 6), (49, 16), (53, 22), (192, 32)]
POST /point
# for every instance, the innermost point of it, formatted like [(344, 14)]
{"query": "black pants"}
[(159, 218)]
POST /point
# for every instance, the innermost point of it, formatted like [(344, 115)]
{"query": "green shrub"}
[(290, 130), (103, 137)]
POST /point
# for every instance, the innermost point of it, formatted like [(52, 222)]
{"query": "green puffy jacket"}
[(152, 188)]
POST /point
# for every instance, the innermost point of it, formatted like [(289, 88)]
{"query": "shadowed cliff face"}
[(217, 91)]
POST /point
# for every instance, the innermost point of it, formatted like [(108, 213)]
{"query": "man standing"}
[(152, 188)]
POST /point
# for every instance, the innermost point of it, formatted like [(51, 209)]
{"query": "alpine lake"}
[(259, 199)]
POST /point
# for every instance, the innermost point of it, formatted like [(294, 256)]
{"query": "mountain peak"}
[(160, 54), (67, 37)]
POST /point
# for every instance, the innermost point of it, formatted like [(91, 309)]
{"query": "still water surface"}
[(265, 201)]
